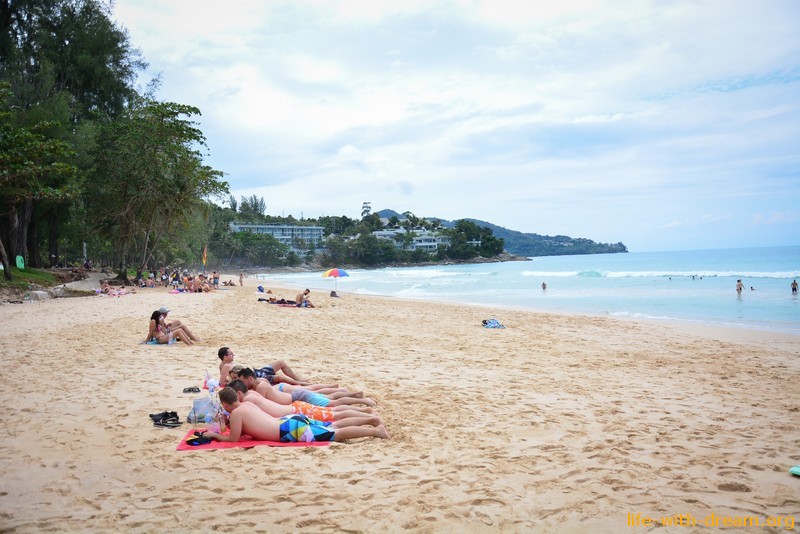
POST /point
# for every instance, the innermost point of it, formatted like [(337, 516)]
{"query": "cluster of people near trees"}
[(274, 403), (184, 282)]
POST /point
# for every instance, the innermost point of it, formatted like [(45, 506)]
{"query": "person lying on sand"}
[(107, 289), (267, 372), (318, 413), (273, 393), (262, 373), (160, 335), (247, 418)]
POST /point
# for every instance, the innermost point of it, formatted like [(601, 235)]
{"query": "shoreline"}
[(688, 324)]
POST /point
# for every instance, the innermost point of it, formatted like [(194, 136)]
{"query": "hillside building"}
[(287, 234)]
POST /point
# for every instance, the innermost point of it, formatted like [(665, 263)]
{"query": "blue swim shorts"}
[(310, 397)]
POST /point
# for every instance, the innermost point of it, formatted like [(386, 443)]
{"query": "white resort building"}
[(421, 239), (288, 234)]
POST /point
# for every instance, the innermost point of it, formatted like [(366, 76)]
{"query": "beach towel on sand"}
[(245, 442)]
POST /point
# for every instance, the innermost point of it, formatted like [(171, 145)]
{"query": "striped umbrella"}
[(335, 274)]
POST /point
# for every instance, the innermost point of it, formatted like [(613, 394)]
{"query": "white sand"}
[(557, 423)]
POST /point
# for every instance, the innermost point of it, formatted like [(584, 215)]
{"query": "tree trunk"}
[(13, 230), (123, 265), (34, 257), (4, 260), (22, 229), (52, 237)]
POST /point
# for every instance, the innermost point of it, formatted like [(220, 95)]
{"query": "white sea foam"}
[(593, 273)]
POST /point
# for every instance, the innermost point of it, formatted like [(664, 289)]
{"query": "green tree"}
[(149, 177), (68, 64), (30, 165), (254, 207)]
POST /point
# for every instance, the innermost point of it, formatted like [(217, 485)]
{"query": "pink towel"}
[(245, 442)]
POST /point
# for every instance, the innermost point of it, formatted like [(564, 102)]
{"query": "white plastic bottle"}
[(211, 425)]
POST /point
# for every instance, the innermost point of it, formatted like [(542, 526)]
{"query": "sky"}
[(666, 125)]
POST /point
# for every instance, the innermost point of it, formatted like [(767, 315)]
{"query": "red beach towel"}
[(245, 442)]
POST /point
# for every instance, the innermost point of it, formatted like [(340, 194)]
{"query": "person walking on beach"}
[(739, 287), (794, 287)]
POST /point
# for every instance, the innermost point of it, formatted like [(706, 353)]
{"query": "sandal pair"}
[(164, 415), (166, 419), (167, 423), (193, 389)]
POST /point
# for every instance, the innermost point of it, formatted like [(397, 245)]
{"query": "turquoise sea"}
[(696, 286)]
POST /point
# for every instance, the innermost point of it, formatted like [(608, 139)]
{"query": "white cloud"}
[(587, 118)]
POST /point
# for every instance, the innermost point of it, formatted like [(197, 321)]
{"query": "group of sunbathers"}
[(112, 291), (273, 403)]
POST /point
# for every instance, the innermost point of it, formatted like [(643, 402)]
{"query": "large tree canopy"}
[(149, 176)]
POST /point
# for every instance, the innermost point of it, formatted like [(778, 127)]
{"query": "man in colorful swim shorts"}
[(275, 394), (247, 418), (319, 413)]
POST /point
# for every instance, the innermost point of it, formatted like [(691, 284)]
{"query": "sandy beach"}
[(558, 423)]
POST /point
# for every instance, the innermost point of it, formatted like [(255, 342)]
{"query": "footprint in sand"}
[(734, 486)]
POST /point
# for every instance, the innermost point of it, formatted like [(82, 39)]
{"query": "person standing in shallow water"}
[(739, 287), (794, 287)]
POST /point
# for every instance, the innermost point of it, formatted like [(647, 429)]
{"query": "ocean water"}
[(693, 286)]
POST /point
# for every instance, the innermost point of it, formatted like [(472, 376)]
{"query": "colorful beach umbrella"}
[(335, 274)]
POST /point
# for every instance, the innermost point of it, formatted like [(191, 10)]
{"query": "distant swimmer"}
[(794, 287), (544, 286), (739, 286), (752, 288)]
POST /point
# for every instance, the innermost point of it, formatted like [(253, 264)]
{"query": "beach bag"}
[(492, 323), (200, 408)]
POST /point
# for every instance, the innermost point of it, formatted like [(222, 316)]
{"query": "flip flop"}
[(164, 415), (167, 424), (193, 389)]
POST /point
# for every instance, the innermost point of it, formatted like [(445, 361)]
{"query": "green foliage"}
[(149, 178), (21, 279), (253, 209), (542, 245)]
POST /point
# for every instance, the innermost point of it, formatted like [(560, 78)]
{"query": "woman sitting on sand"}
[(160, 335), (174, 325)]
